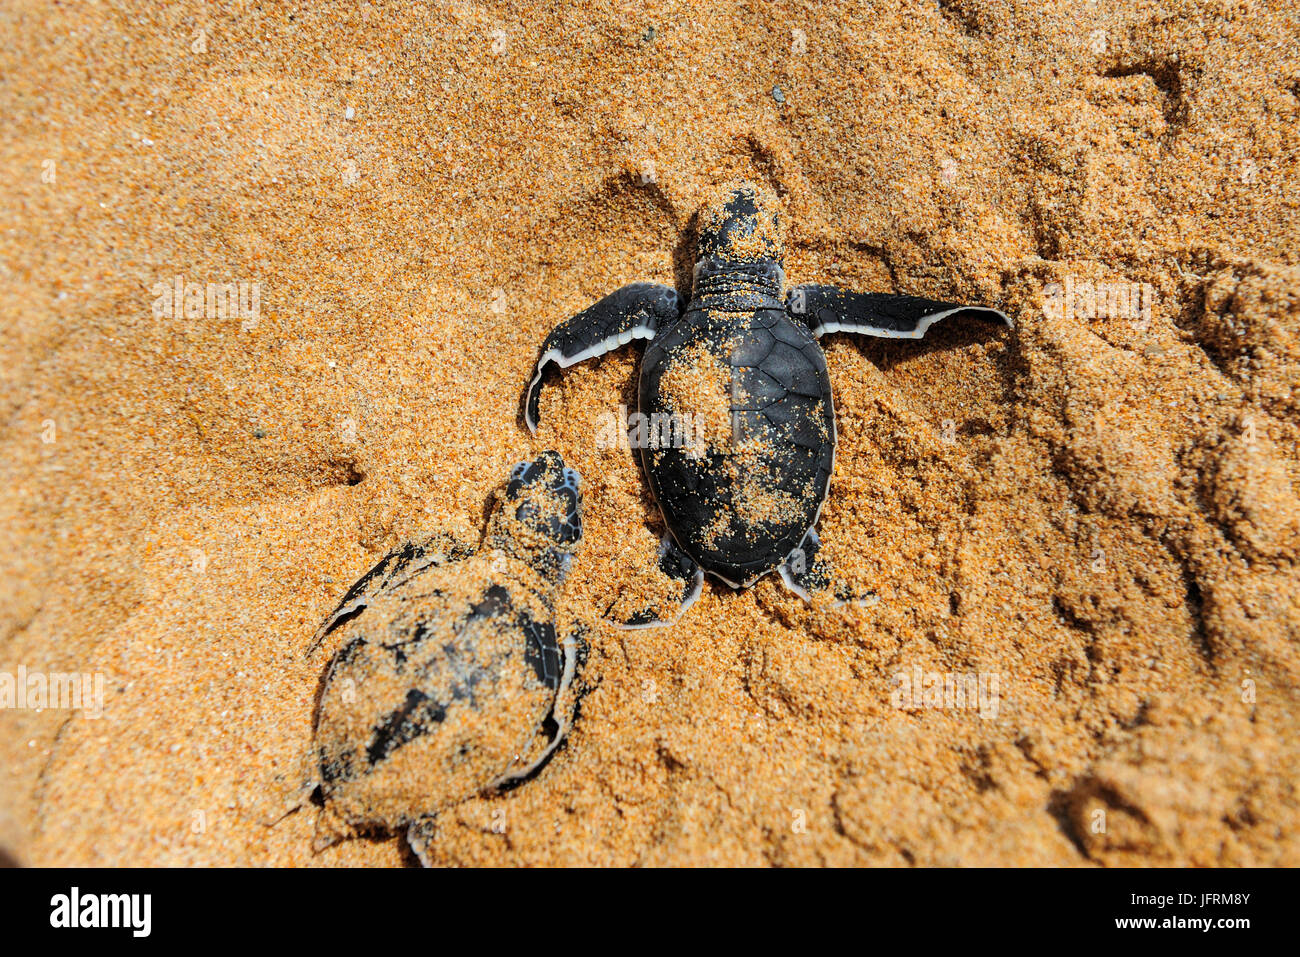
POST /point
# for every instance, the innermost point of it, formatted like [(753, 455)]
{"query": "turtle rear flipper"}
[(685, 572), (440, 548), (827, 309), (420, 835), (635, 311), (331, 829), (808, 574), (292, 801)]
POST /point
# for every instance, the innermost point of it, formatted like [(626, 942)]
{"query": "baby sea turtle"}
[(736, 419), (453, 677)]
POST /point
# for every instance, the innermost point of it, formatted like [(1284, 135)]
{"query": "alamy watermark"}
[(1086, 299), (658, 430), (178, 299), (953, 691), (69, 691), (129, 911)]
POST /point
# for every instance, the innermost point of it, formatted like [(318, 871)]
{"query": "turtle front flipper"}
[(687, 578), (441, 548), (826, 309), (636, 311), (807, 573)]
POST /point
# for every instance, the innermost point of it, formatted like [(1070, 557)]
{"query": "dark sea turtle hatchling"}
[(742, 496), (452, 676)]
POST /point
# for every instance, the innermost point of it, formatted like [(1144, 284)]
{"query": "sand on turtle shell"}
[(1093, 516)]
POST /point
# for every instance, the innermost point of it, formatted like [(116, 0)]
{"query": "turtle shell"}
[(737, 434), (443, 690)]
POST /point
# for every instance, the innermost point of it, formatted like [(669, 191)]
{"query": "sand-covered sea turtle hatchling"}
[(737, 421), (454, 676)]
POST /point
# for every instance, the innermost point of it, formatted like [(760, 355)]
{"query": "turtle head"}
[(740, 233), (538, 515)]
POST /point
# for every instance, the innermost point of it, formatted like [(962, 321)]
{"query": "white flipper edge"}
[(563, 361), (922, 326), (692, 596)]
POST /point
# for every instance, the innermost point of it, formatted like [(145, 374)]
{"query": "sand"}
[(1097, 515)]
